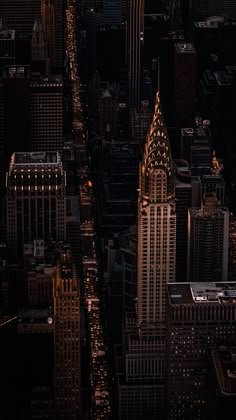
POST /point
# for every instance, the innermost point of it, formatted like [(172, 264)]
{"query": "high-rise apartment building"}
[(67, 338), (200, 315), (135, 39), (208, 241), (35, 199), (142, 393)]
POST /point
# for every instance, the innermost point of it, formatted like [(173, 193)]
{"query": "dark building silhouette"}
[(222, 380), (185, 79), (183, 194), (199, 316), (7, 47), (208, 241), (135, 39)]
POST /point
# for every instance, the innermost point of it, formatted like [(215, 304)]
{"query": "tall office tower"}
[(200, 315), (135, 39), (49, 18), (196, 148), (183, 193), (216, 184), (35, 199), (185, 74), (46, 104), (39, 49), (208, 241), (67, 338), (156, 224), (143, 392), (7, 47)]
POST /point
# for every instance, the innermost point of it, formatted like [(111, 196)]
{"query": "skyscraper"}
[(142, 395), (208, 241), (135, 38), (67, 338), (35, 199), (156, 223), (49, 11), (46, 105)]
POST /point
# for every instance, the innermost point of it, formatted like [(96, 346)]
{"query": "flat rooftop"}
[(205, 292), (7, 35), (198, 132), (185, 48), (35, 158)]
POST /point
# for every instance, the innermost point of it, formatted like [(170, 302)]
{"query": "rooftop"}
[(224, 359), (198, 132), (185, 48), (35, 158), (7, 34), (204, 292)]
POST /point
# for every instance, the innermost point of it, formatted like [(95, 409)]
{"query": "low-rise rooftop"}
[(204, 292)]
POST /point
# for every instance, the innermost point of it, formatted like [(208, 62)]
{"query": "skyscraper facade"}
[(142, 395), (208, 241), (135, 38), (67, 338), (156, 223), (35, 199), (46, 104)]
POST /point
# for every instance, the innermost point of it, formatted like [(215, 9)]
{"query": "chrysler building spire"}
[(156, 223)]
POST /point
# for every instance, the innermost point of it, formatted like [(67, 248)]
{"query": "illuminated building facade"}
[(142, 393), (67, 338), (156, 223), (35, 199)]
